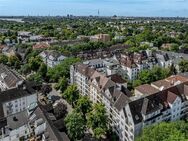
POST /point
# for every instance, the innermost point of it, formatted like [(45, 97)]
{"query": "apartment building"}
[(80, 75), (14, 107), (110, 90), (17, 98), (100, 38), (134, 63), (167, 58), (52, 58), (45, 126), (129, 114)]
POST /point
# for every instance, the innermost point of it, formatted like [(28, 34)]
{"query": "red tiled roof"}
[(41, 46), (176, 78)]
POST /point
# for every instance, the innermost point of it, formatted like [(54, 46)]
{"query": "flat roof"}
[(17, 120)]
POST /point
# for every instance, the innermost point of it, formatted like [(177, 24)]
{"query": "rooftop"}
[(162, 84), (146, 89), (177, 78), (54, 54), (17, 120), (84, 69), (41, 45), (10, 78), (157, 101), (117, 78), (12, 94), (52, 132)]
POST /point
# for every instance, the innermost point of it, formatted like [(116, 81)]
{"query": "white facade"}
[(124, 122), (132, 72), (18, 105), (80, 80), (50, 60), (15, 135), (17, 108)]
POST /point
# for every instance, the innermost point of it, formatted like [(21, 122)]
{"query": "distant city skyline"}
[(156, 8)]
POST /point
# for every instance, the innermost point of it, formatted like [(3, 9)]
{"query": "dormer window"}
[(3, 75)]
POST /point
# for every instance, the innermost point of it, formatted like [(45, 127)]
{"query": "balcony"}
[(153, 118), (184, 107), (166, 116)]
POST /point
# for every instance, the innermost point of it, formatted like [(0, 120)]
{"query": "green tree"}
[(35, 63), (37, 78), (62, 84), (131, 43), (3, 59), (71, 94), (99, 133), (84, 105), (183, 66), (137, 83), (62, 69), (25, 69), (75, 125), (174, 47), (174, 131), (145, 76), (157, 73), (42, 70), (14, 61), (31, 53), (97, 120)]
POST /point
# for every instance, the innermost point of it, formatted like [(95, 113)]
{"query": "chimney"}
[(172, 81)]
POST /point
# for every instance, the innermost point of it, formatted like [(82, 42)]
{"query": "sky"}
[(164, 8)]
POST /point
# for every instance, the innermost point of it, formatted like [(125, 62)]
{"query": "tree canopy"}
[(148, 76), (62, 84), (71, 94), (84, 105), (173, 131), (75, 125), (97, 120), (62, 69), (183, 66)]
